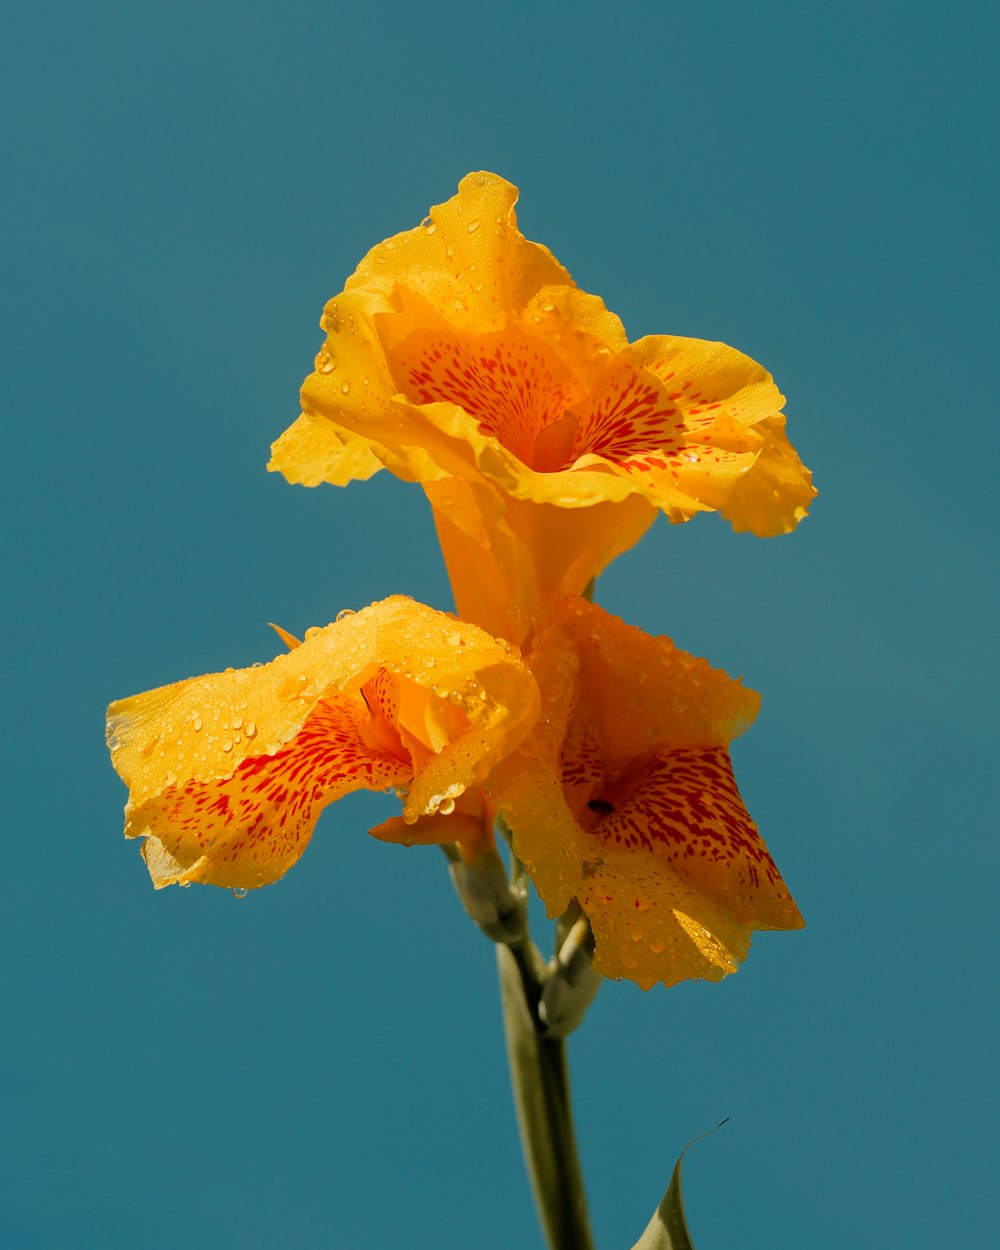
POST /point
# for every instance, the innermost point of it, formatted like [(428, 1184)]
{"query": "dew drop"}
[(240, 891), (236, 722), (197, 724), (328, 365), (227, 744), (345, 388), (657, 947), (344, 613), (449, 251), (429, 226), (473, 226), (446, 807), (479, 287), (250, 729)]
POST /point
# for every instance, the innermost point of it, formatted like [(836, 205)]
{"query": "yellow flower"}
[(228, 773), (623, 796), (462, 356)]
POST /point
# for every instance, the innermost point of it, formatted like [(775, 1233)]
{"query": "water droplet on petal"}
[(473, 226), (250, 729), (449, 251), (240, 891), (197, 724), (446, 807), (227, 744), (236, 722), (345, 388), (345, 612)]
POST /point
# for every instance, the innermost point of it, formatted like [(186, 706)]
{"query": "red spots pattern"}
[(512, 383), (628, 415), (685, 807), (262, 816)]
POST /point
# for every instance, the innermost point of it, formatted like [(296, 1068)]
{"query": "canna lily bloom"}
[(623, 797), (228, 773), (462, 356)]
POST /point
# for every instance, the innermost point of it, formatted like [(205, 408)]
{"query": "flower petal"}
[(248, 829), (312, 450), (775, 494), (469, 260), (650, 926), (642, 694), (236, 766), (624, 796), (685, 808)]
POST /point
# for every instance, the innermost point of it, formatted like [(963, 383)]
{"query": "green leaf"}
[(668, 1229)]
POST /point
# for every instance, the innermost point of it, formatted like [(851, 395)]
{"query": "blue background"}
[(321, 1064)]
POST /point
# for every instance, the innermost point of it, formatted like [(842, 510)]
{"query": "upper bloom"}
[(624, 797), (228, 773), (462, 356)]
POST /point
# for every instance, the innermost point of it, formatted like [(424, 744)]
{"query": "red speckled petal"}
[(510, 381), (684, 808), (248, 829), (394, 686)]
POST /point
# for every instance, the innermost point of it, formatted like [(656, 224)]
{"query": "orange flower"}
[(623, 796), (462, 356), (228, 773)]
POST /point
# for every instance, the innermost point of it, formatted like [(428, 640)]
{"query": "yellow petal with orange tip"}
[(227, 773)]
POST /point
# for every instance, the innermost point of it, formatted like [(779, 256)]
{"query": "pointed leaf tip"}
[(668, 1229)]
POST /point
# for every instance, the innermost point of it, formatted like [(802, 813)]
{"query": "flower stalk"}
[(539, 1072)]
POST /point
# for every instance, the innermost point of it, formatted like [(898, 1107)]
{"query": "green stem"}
[(540, 1078)]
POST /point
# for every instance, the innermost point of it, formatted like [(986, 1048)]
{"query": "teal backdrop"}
[(320, 1064)]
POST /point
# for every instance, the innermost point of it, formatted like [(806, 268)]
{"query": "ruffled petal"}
[(775, 494), (312, 450), (469, 259), (248, 829), (227, 773)]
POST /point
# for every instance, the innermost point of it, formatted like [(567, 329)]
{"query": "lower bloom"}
[(228, 773), (623, 797)]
